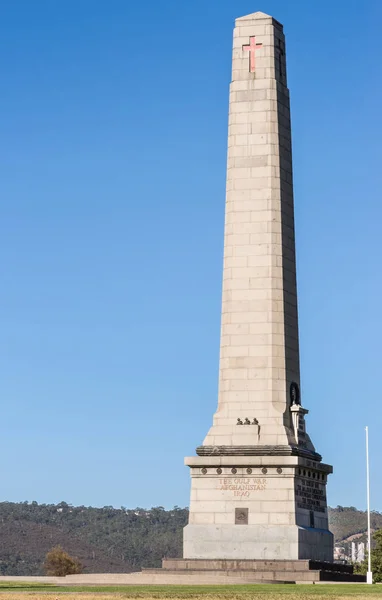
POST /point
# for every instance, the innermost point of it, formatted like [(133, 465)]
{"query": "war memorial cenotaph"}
[(258, 486)]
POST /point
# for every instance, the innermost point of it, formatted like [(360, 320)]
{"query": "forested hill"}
[(106, 540), (346, 522), (109, 539)]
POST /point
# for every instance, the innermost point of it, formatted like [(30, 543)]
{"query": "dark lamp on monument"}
[(294, 393)]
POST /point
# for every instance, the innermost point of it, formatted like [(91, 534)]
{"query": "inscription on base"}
[(310, 495), (244, 486)]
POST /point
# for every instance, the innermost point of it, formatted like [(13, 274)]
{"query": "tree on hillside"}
[(59, 563), (376, 559)]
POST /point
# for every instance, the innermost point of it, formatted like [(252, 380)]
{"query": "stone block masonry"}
[(258, 484)]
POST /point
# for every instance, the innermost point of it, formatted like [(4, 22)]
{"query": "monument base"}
[(262, 542), (257, 571), (270, 507)]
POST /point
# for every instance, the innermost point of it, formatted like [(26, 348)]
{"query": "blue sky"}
[(113, 128)]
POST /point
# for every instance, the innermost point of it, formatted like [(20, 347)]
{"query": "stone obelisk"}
[(258, 484)]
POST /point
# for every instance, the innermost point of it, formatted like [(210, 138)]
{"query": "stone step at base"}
[(165, 578), (183, 564), (251, 576), (248, 576), (249, 571)]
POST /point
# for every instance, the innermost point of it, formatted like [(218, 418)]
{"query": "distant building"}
[(340, 553), (357, 552)]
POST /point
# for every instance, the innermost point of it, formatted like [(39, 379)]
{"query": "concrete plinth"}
[(261, 571), (258, 507)]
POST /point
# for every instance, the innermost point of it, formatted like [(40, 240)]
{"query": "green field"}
[(33, 591)]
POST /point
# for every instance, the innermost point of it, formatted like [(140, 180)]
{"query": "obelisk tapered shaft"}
[(258, 485), (259, 354)]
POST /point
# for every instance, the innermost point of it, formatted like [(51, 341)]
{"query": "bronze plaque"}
[(241, 516)]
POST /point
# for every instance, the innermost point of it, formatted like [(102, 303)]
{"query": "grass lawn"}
[(14, 590)]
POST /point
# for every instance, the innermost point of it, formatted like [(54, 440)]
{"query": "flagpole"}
[(369, 576)]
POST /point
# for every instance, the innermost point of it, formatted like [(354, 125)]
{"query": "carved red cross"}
[(251, 48)]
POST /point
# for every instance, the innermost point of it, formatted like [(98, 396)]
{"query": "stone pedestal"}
[(258, 507)]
